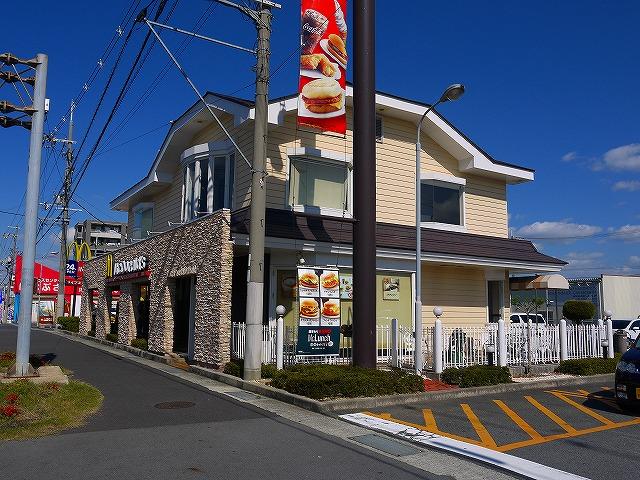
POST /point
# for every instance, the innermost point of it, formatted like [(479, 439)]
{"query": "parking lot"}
[(579, 430)]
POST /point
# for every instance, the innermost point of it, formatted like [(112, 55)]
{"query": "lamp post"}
[(453, 92)]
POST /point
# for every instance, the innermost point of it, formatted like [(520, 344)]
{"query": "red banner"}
[(323, 65)]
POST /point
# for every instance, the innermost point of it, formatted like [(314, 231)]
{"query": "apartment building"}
[(183, 287), (101, 236)]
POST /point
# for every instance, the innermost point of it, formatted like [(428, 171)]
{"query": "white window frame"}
[(329, 157), (447, 181), (194, 156), (136, 232)]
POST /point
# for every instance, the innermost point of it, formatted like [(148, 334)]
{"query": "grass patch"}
[(589, 366), (28, 410), (236, 368), (476, 376), (335, 381), (6, 360)]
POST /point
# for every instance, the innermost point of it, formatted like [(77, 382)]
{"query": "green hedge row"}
[(589, 366), (71, 324), (476, 376), (333, 381), (236, 368), (111, 337), (140, 343)]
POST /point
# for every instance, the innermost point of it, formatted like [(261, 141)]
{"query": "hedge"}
[(111, 337), (578, 310), (476, 376), (236, 368), (140, 343), (332, 381), (71, 324), (589, 366)]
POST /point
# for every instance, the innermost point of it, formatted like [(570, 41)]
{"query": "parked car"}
[(627, 383), (517, 317), (631, 327)]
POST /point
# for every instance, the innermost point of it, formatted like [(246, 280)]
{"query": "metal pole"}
[(255, 286), (65, 220), (22, 367), (364, 168)]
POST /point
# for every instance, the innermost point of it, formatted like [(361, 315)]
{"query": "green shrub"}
[(331, 381), (578, 310), (91, 333), (476, 376), (140, 343), (111, 337), (71, 324), (589, 366), (236, 368)]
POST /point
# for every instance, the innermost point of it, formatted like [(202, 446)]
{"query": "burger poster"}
[(323, 65), (319, 311)]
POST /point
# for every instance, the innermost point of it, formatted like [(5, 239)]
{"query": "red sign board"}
[(46, 281)]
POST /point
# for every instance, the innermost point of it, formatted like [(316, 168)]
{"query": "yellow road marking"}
[(605, 388), (429, 420), (567, 428), (485, 437), (583, 409), (518, 420), (584, 392)]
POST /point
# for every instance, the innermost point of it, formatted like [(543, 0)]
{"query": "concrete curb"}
[(333, 407)]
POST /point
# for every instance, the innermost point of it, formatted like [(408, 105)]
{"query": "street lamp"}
[(452, 93)]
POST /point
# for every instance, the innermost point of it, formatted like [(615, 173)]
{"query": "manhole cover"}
[(173, 405)]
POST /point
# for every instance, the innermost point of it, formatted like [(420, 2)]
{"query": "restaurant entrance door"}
[(142, 313), (183, 316)]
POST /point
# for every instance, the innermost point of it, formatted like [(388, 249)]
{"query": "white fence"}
[(464, 345)]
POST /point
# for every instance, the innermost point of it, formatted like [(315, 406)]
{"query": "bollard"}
[(602, 339), (564, 354), (395, 336), (437, 346), (502, 344), (280, 311), (610, 352)]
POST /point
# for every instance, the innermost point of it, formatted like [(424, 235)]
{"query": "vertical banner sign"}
[(323, 65), (319, 312)]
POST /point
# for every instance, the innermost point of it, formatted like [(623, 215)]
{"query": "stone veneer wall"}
[(201, 248)]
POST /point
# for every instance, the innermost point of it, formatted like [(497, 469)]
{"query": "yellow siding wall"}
[(460, 291)]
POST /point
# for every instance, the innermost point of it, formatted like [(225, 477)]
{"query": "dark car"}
[(628, 376)]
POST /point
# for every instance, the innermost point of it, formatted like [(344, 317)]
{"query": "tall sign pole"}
[(22, 367), (65, 219), (255, 286), (364, 188)]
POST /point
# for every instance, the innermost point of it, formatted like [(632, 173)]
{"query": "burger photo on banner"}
[(323, 65)]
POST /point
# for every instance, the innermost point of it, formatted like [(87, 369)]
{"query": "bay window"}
[(142, 221), (442, 201)]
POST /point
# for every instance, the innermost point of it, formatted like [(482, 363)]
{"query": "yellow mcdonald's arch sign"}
[(109, 266), (76, 250)]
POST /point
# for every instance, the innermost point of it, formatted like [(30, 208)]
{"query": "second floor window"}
[(441, 203), (208, 184), (142, 221), (319, 186)]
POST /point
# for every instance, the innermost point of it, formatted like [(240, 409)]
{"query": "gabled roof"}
[(470, 156)]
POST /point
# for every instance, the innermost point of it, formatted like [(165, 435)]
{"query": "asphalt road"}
[(577, 429), (218, 437)]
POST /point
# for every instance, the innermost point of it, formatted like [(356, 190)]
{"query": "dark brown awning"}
[(318, 228)]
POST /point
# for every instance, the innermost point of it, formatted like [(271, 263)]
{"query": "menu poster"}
[(323, 65), (346, 286), (319, 311)]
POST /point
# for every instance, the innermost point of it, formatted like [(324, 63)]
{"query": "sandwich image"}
[(336, 47), (309, 280), (331, 308), (309, 308), (329, 280), (323, 95)]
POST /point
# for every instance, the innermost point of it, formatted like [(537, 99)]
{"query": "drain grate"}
[(173, 405), (386, 445)]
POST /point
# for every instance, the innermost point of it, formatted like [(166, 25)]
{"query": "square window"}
[(318, 184), (441, 204)]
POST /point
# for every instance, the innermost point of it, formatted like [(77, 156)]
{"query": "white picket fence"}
[(463, 345)]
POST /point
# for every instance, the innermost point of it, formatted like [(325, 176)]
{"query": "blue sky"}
[(550, 85)]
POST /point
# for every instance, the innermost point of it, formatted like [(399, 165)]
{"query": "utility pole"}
[(22, 367), (65, 218), (364, 185)]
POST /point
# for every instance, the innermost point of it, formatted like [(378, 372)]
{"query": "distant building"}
[(102, 237)]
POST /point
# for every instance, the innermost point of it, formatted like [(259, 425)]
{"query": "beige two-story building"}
[(189, 222)]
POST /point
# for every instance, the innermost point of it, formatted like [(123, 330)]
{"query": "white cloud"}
[(627, 185), (634, 260), (626, 157), (569, 157), (627, 233), (582, 259), (563, 230)]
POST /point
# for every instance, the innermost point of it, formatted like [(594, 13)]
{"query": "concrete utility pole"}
[(65, 219), (364, 184), (22, 367), (255, 286)]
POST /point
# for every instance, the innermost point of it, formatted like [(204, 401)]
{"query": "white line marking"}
[(511, 463)]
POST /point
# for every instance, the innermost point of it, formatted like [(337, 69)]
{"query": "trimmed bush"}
[(236, 368), (589, 366), (334, 381), (111, 337), (140, 343), (578, 310), (91, 333), (476, 376), (71, 324)]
